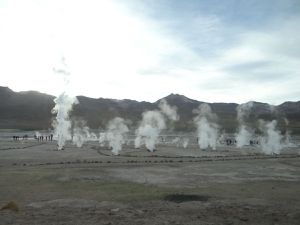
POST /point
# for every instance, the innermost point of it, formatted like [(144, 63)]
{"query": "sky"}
[(209, 50)]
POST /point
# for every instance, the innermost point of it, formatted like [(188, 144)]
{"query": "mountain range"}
[(31, 110)]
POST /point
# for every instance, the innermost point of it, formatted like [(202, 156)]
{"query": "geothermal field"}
[(176, 184), (150, 112), (150, 175)]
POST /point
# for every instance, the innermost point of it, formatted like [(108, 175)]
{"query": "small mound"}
[(179, 198), (11, 206)]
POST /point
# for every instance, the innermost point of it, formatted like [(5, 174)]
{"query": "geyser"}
[(207, 129), (271, 141), (244, 134), (63, 106), (62, 124), (81, 133), (153, 122), (115, 134)]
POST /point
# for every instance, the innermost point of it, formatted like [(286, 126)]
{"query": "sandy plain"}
[(172, 185)]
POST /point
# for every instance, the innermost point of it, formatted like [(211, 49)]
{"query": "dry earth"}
[(170, 186)]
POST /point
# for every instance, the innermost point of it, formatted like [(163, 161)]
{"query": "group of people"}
[(233, 142), (230, 141), (44, 138), (36, 137), (17, 138)]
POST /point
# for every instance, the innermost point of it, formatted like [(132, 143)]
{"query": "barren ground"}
[(170, 186)]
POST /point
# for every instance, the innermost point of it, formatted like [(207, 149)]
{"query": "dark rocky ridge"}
[(32, 110)]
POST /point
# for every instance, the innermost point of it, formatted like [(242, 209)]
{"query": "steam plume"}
[(176, 141), (185, 142), (152, 124), (62, 124), (81, 133), (243, 111), (287, 141), (244, 134), (116, 130), (207, 129), (63, 106), (169, 111), (243, 137), (271, 141), (102, 139)]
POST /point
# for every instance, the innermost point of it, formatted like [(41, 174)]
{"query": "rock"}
[(244, 219), (115, 210), (11, 206)]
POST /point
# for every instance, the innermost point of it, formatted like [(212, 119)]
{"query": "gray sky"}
[(212, 50)]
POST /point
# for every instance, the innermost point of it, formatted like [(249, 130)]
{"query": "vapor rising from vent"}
[(243, 137), (62, 124), (153, 122), (115, 134), (185, 142), (169, 111), (244, 134), (271, 141), (207, 129), (81, 133), (63, 106)]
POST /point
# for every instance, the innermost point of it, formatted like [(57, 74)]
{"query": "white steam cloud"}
[(63, 106), (244, 134), (81, 133), (287, 141), (102, 139), (185, 142), (243, 111), (207, 129), (169, 111), (153, 122), (62, 124), (271, 141), (80, 136), (115, 134), (176, 141)]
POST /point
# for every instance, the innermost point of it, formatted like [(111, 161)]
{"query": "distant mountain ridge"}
[(32, 110)]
